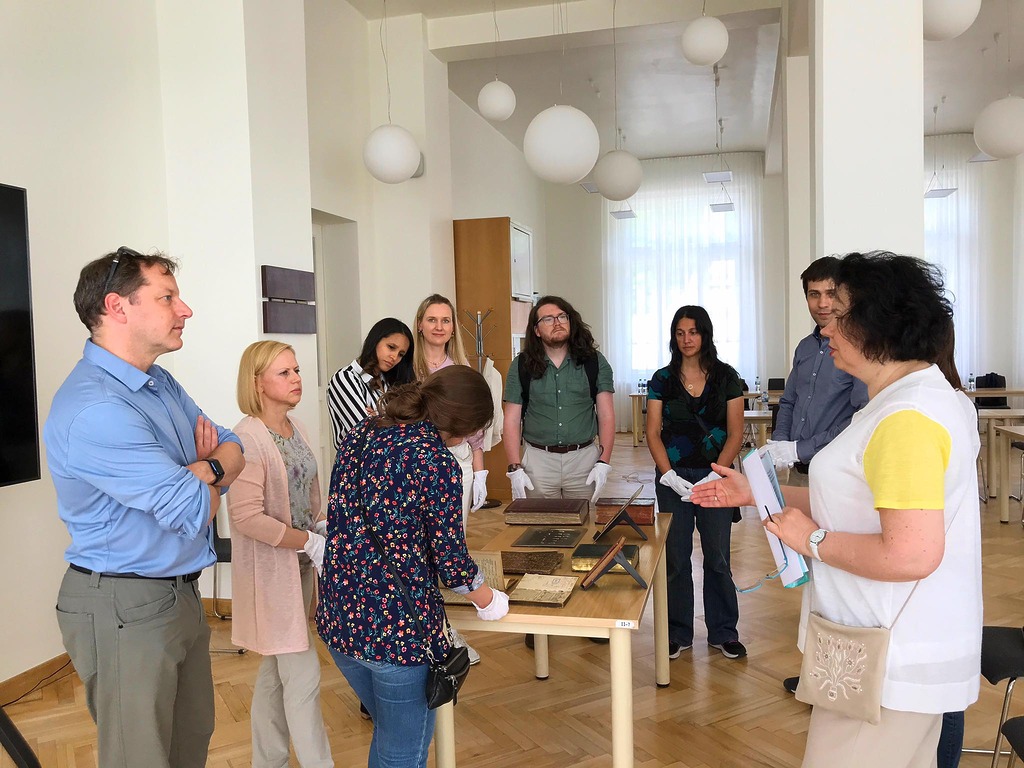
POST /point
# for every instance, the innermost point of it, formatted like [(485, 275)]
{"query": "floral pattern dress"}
[(404, 482)]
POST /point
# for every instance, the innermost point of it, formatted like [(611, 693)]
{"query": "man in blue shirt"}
[(819, 399), (139, 471)]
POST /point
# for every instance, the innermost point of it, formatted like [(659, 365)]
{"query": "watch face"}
[(817, 536)]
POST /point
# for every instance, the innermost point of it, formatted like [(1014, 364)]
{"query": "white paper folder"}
[(764, 485)]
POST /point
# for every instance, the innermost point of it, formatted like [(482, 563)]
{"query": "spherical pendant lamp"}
[(561, 144), (946, 19), (705, 41), (496, 101), (391, 154), (999, 129), (618, 175)]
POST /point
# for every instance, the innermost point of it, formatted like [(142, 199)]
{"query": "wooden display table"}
[(612, 608), (638, 402), (1004, 435), (990, 418), (760, 421)]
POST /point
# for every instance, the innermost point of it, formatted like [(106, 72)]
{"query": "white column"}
[(796, 171), (868, 101)]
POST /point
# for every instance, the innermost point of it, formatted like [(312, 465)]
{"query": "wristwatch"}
[(814, 540), (514, 468), (218, 470)]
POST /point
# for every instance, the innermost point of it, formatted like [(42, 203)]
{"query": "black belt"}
[(186, 578), (560, 448), (802, 468)]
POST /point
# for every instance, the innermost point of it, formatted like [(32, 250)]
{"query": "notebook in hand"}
[(548, 512)]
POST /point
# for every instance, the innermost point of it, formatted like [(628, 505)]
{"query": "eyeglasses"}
[(767, 577), (118, 255), (547, 320)]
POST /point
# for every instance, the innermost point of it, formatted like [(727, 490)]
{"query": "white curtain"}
[(1017, 312), (952, 238), (677, 251)]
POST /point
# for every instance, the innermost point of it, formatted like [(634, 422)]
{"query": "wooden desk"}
[(760, 420), (612, 608), (999, 392), (990, 418), (1004, 435), (638, 402)]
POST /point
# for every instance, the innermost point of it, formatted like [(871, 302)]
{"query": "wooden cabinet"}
[(485, 271)]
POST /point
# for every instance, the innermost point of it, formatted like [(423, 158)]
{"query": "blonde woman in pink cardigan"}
[(277, 536)]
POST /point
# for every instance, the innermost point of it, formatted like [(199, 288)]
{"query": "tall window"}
[(677, 251)]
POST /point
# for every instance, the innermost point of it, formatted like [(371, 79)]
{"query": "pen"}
[(768, 513)]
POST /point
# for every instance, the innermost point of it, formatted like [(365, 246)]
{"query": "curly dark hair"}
[(402, 373), (713, 368), (897, 306), (581, 341)]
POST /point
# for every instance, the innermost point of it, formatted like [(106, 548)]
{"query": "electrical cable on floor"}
[(36, 686)]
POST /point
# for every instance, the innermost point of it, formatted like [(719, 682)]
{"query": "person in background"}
[(138, 469), (890, 523), (394, 474), (440, 346), (820, 399), (695, 419), (558, 397), (384, 362), (277, 546)]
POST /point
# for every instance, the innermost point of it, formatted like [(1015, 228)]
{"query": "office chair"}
[(1002, 658), (222, 549), (14, 744), (1013, 730), (776, 384), (991, 381)]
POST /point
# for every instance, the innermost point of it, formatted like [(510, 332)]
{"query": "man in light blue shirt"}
[(139, 471)]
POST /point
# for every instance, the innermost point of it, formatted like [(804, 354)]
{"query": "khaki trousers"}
[(286, 702), (142, 649), (560, 475), (900, 740)]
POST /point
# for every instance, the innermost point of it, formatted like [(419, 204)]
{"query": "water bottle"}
[(972, 386), (764, 400), (757, 384), (640, 386), (643, 386)]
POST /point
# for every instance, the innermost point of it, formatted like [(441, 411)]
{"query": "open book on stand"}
[(764, 485)]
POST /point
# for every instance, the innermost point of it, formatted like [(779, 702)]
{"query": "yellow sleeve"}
[(905, 462)]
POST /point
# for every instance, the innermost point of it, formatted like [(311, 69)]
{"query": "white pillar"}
[(796, 170), (868, 100)]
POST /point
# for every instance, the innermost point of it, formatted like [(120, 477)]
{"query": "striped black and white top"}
[(349, 396)]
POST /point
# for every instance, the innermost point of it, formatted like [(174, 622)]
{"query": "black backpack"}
[(589, 365)]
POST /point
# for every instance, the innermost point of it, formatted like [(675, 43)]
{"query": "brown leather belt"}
[(560, 448), (186, 578)]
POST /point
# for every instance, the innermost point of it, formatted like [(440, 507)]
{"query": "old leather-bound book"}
[(548, 512), (585, 556), (641, 509)]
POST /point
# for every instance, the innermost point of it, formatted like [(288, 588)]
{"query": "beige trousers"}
[(560, 475), (900, 740), (286, 702), (463, 454)]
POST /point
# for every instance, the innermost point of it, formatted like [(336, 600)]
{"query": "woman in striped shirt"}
[(384, 362)]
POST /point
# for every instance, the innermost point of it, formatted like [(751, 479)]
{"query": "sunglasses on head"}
[(119, 254)]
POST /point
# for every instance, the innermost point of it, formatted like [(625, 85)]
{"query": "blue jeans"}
[(396, 698), (721, 608), (951, 740)]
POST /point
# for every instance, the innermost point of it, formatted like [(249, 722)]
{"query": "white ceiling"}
[(666, 106)]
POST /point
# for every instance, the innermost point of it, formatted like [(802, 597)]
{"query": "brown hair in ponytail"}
[(455, 399)]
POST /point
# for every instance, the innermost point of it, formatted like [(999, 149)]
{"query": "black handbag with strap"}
[(445, 677)]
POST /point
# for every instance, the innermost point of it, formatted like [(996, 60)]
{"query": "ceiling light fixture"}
[(561, 144), (705, 40), (724, 173), (934, 190), (946, 19), (496, 100), (999, 129), (618, 174), (625, 213), (390, 153)]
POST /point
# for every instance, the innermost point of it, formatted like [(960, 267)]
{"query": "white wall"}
[(82, 133), (777, 357), (995, 268), (575, 263)]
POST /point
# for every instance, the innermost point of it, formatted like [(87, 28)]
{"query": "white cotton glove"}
[(710, 476), (479, 489), (671, 480), (520, 482), (783, 453), (321, 527), (495, 609), (598, 476), (314, 547)]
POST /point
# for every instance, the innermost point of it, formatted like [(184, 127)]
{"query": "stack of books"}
[(548, 512)]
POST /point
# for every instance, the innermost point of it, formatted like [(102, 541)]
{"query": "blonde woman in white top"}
[(892, 504)]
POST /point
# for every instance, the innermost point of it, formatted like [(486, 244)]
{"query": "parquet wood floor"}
[(717, 713)]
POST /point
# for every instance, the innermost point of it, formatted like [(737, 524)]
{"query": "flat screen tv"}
[(19, 425)]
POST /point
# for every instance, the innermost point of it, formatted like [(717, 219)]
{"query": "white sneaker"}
[(460, 642)]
